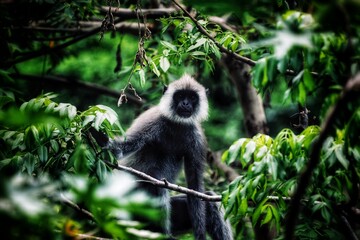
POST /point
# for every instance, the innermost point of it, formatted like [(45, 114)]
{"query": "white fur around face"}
[(186, 82)]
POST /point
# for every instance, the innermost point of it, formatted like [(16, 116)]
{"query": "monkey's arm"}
[(194, 166), (122, 147)]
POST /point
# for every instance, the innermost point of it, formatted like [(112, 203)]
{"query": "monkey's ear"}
[(165, 88)]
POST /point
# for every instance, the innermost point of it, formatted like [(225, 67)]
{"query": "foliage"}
[(49, 154), (303, 51), (270, 169)]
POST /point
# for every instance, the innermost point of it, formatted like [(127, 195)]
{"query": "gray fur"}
[(160, 142)]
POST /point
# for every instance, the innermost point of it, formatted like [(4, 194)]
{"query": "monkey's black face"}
[(185, 102)]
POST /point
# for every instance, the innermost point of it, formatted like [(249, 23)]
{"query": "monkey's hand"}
[(101, 138), (117, 147)]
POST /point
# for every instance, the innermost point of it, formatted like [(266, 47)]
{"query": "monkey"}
[(163, 140)]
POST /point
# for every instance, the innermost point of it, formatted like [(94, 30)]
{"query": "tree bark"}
[(251, 103)]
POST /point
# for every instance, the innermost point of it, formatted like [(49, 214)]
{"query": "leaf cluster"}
[(270, 167), (50, 160)]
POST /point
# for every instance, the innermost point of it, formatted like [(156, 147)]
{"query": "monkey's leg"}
[(180, 218), (216, 226)]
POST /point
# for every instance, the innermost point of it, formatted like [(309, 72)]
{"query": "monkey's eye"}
[(193, 97)]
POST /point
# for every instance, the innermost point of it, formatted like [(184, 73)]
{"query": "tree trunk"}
[(251, 103)]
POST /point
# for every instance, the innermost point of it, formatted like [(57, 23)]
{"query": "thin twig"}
[(76, 207)]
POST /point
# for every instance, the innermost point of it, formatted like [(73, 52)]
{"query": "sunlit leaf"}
[(169, 45), (198, 43), (164, 63)]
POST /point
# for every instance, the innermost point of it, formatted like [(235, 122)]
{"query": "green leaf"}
[(142, 77), (50, 107), (243, 207), (29, 163), (154, 68), (71, 112), (43, 153), (169, 45), (101, 170), (268, 215), (198, 43), (234, 46), (258, 211), (99, 119), (5, 162), (54, 145), (265, 78), (198, 53), (215, 50), (308, 80), (8, 134), (302, 94), (164, 63), (297, 79), (249, 150), (88, 119), (234, 150), (80, 158), (31, 137), (341, 158), (276, 215)]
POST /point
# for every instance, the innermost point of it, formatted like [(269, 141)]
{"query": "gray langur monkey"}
[(162, 140)]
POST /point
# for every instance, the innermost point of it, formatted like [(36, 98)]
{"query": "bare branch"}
[(222, 23), (80, 84), (213, 159), (165, 184), (351, 90), (125, 13), (47, 50)]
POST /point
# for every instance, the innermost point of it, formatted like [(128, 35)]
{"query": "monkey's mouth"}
[(185, 113)]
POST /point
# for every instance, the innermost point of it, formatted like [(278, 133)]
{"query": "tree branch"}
[(125, 13), (87, 26), (165, 184), (221, 48), (80, 84), (352, 88), (213, 159), (47, 50)]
